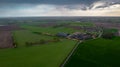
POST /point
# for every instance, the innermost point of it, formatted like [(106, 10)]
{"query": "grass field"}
[(49, 55), (96, 53), (110, 30), (45, 55)]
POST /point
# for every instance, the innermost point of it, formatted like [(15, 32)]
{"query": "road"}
[(100, 32), (71, 53), (119, 32)]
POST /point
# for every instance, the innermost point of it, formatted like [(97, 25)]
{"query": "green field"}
[(110, 30), (42, 55), (96, 53), (49, 55), (23, 36), (49, 29), (91, 53)]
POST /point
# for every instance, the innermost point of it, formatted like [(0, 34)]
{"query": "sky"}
[(26, 8)]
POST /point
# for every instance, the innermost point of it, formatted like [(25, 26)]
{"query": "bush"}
[(56, 39), (42, 41), (28, 44), (37, 33), (15, 45)]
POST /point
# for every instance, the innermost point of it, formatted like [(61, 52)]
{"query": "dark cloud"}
[(57, 2), (71, 4), (107, 3)]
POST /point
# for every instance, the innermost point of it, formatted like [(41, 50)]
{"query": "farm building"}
[(80, 36), (62, 34)]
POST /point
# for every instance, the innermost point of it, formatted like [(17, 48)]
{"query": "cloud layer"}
[(15, 8)]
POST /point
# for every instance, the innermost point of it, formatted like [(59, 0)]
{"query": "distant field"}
[(88, 24), (23, 36), (96, 53), (49, 29)]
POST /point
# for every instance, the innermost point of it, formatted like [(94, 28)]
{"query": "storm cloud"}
[(70, 4), (55, 2), (59, 7)]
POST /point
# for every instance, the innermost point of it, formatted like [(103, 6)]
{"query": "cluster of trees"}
[(42, 41), (108, 35)]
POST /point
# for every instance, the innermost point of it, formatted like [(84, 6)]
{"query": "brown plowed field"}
[(6, 39), (9, 28), (108, 25)]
